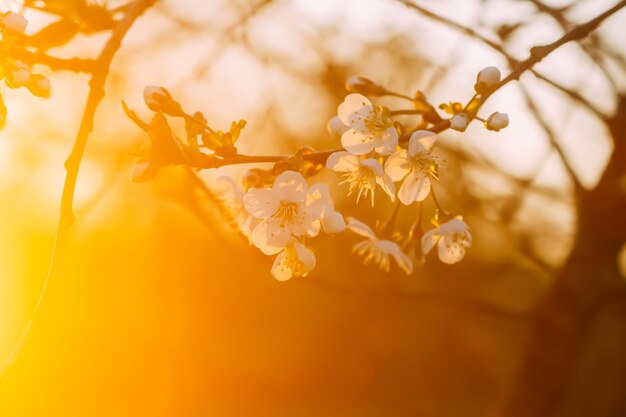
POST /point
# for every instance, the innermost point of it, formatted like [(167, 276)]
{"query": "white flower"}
[(497, 121), (232, 203), (371, 127), (361, 174), (378, 250), (487, 79), (14, 22), (459, 122), (296, 260), (452, 239), (417, 166), (336, 127), (287, 211)]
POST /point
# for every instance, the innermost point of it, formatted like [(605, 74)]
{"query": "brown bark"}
[(564, 319)]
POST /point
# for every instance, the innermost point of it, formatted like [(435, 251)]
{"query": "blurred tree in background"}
[(159, 309)]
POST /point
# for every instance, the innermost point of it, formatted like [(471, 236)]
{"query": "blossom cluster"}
[(282, 209), (13, 71)]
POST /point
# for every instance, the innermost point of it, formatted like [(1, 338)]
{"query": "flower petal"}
[(295, 260), (415, 187), (333, 222), (290, 186), (386, 183), (281, 269), (387, 143), (261, 202), (356, 143), (403, 260), (336, 127), (269, 237), (421, 141), (342, 162), (318, 200), (310, 225), (450, 252), (429, 240), (373, 165), (351, 104), (360, 228), (306, 257), (398, 165)]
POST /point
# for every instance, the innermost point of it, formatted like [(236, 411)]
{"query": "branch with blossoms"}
[(276, 208), (280, 213)]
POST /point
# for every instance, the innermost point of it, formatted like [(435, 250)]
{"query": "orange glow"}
[(160, 308)]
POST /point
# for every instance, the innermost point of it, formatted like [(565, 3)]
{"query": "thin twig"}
[(537, 54), (500, 49), (54, 63), (543, 122)]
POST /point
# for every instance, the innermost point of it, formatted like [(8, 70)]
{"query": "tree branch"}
[(537, 54)]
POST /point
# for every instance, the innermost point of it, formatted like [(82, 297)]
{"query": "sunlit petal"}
[(261, 203)]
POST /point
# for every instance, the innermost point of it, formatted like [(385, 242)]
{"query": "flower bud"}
[(336, 127), (365, 86), (14, 23), (159, 99), (459, 122), (487, 79), (497, 121)]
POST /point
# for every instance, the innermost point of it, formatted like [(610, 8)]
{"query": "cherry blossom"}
[(362, 175), (332, 221), (232, 203), (452, 239), (378, 250), (371, 127), (295, 260), (286, 211), (416, 165)]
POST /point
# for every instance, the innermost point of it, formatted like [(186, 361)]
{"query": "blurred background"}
[(161, 309)]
